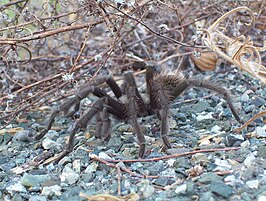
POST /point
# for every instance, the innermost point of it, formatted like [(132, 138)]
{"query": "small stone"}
[(249, 161), (30, 180), (24, 136), (7, 137), (17, 197), (245, 144), (181, 117), (199, 158), (37, 198), (181, 189), (249, 108), (156, 168), (169, 172), (230, 180), (161, 181), (258, 102), (262, 151), (207, 178), (202, 117), (52, 134), (253, 184), (91, 168), (201, 106), (48, 143), (262, 196), (222, 165), (17, 187), (260, 131), (114, 142), (216, 129), (69, 176), (104, 156), (171, 162), (148, 191), (233, 140), (76, 165), (51, 190), (221, 189), (245, 97), (208, 196)]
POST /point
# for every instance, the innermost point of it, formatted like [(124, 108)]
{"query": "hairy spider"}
[(162, 89)]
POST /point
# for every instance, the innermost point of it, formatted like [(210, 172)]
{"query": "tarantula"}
[(162, 89)]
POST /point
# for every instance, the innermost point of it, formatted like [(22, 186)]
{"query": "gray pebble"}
[(17, 187), (221, 189), (69, 176), (245, 97), (30, 180), (209, 177), (37, 198), (24, 136), (201, 106), (51, 190)]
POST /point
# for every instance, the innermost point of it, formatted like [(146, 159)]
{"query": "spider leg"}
[(150, 73), (161, 103), (114, 86), (134, 107), (183, 85), (103, 129), (106, 125), (131, 89), (81, 123), (65, 107)]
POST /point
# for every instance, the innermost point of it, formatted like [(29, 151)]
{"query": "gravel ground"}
[(200, 120)]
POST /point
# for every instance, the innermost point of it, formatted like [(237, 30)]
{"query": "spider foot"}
[(142, 151), (166, 142)]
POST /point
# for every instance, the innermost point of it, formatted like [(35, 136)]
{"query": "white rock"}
[(91, 168), (261, 198), (51, 190), (69, 176), (245, 144), (253, 184), (249, 161), (104, 156), (171, 162), (181, 189), (17, 187), (222, 165), (148, 191), (260, 131), (216, 128), (230, 180), (201, 117), (48, 143), (38, 198), (244, 97), (76, 165)]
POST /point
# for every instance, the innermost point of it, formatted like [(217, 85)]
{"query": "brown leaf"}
[(206, 62)]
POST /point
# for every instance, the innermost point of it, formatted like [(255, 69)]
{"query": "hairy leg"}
[(184, 84), (81, 123), (135, 106), (65, 107)]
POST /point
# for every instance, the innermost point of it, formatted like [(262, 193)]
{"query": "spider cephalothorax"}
[(128, 105)]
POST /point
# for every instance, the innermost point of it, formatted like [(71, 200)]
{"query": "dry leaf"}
[(205, 140), (206, 62)]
